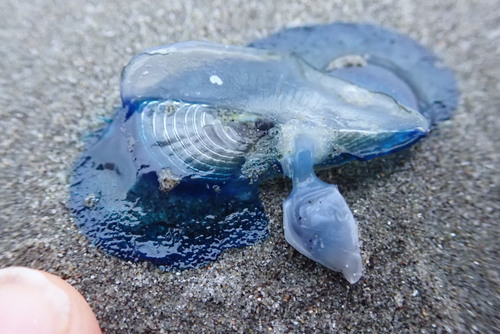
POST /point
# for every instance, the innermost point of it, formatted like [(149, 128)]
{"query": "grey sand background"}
[(428, 216)]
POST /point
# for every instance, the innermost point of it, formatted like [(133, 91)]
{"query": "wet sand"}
[(428, 216)]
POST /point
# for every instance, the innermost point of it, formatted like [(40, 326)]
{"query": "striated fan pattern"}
[(189, 139)]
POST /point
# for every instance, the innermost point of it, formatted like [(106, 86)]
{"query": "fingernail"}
[(30, 303)]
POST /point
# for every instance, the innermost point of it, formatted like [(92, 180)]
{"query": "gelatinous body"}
[(317, 221), (174, 177)]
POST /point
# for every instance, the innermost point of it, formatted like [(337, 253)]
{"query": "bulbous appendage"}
[(319, 224), (317, 221)]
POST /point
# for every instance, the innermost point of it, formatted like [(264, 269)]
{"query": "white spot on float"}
[(216, 80), (355, 95)]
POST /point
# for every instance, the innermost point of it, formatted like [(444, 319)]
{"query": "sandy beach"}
[(428, 216)]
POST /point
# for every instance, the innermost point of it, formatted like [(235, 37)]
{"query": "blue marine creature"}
[(174, 178)]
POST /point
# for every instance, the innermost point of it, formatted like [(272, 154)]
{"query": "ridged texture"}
[(362, 145), (190, 139)]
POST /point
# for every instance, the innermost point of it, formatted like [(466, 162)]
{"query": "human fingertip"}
[(33, 301)]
